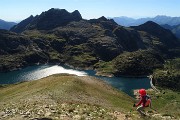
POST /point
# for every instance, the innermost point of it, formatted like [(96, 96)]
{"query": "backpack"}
[(148, 101)]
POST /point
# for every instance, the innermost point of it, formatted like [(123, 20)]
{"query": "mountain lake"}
[(35, 72)]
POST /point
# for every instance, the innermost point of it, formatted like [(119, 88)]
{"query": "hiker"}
[(145, 101)]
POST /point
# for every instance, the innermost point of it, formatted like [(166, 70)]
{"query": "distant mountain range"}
[(6, 25), (160, 19), (171, 23)]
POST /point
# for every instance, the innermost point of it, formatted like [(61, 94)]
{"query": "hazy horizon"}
[(17, 10), (17, 21)]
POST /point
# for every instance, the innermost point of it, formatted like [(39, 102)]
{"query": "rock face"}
[(48, 20)]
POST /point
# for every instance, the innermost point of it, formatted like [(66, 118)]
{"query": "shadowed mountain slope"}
[(59, 36), (174, 29), (165, 36)]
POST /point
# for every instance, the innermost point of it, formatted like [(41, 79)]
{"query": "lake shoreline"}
[(36, 72), (98, 73)]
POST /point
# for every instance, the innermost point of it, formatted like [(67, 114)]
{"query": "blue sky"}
[(16, 10)]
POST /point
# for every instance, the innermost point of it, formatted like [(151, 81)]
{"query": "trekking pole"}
[(150, 106), (153, 109), (132, 108)]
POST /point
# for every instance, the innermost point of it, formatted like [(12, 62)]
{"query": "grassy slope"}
[(167, 79), (73, 97), (166, 103), (59, 89)]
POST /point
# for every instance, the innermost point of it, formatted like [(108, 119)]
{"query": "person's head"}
[(142, 92)]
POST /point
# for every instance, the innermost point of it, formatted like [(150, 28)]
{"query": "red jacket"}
[(142, 101)]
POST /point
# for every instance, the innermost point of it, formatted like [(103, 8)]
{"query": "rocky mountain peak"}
[(55, 12), (150, 24), (103, 18), (48, 20), (77, 14)]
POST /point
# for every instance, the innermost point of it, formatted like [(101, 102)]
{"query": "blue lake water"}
[(40, 71)]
